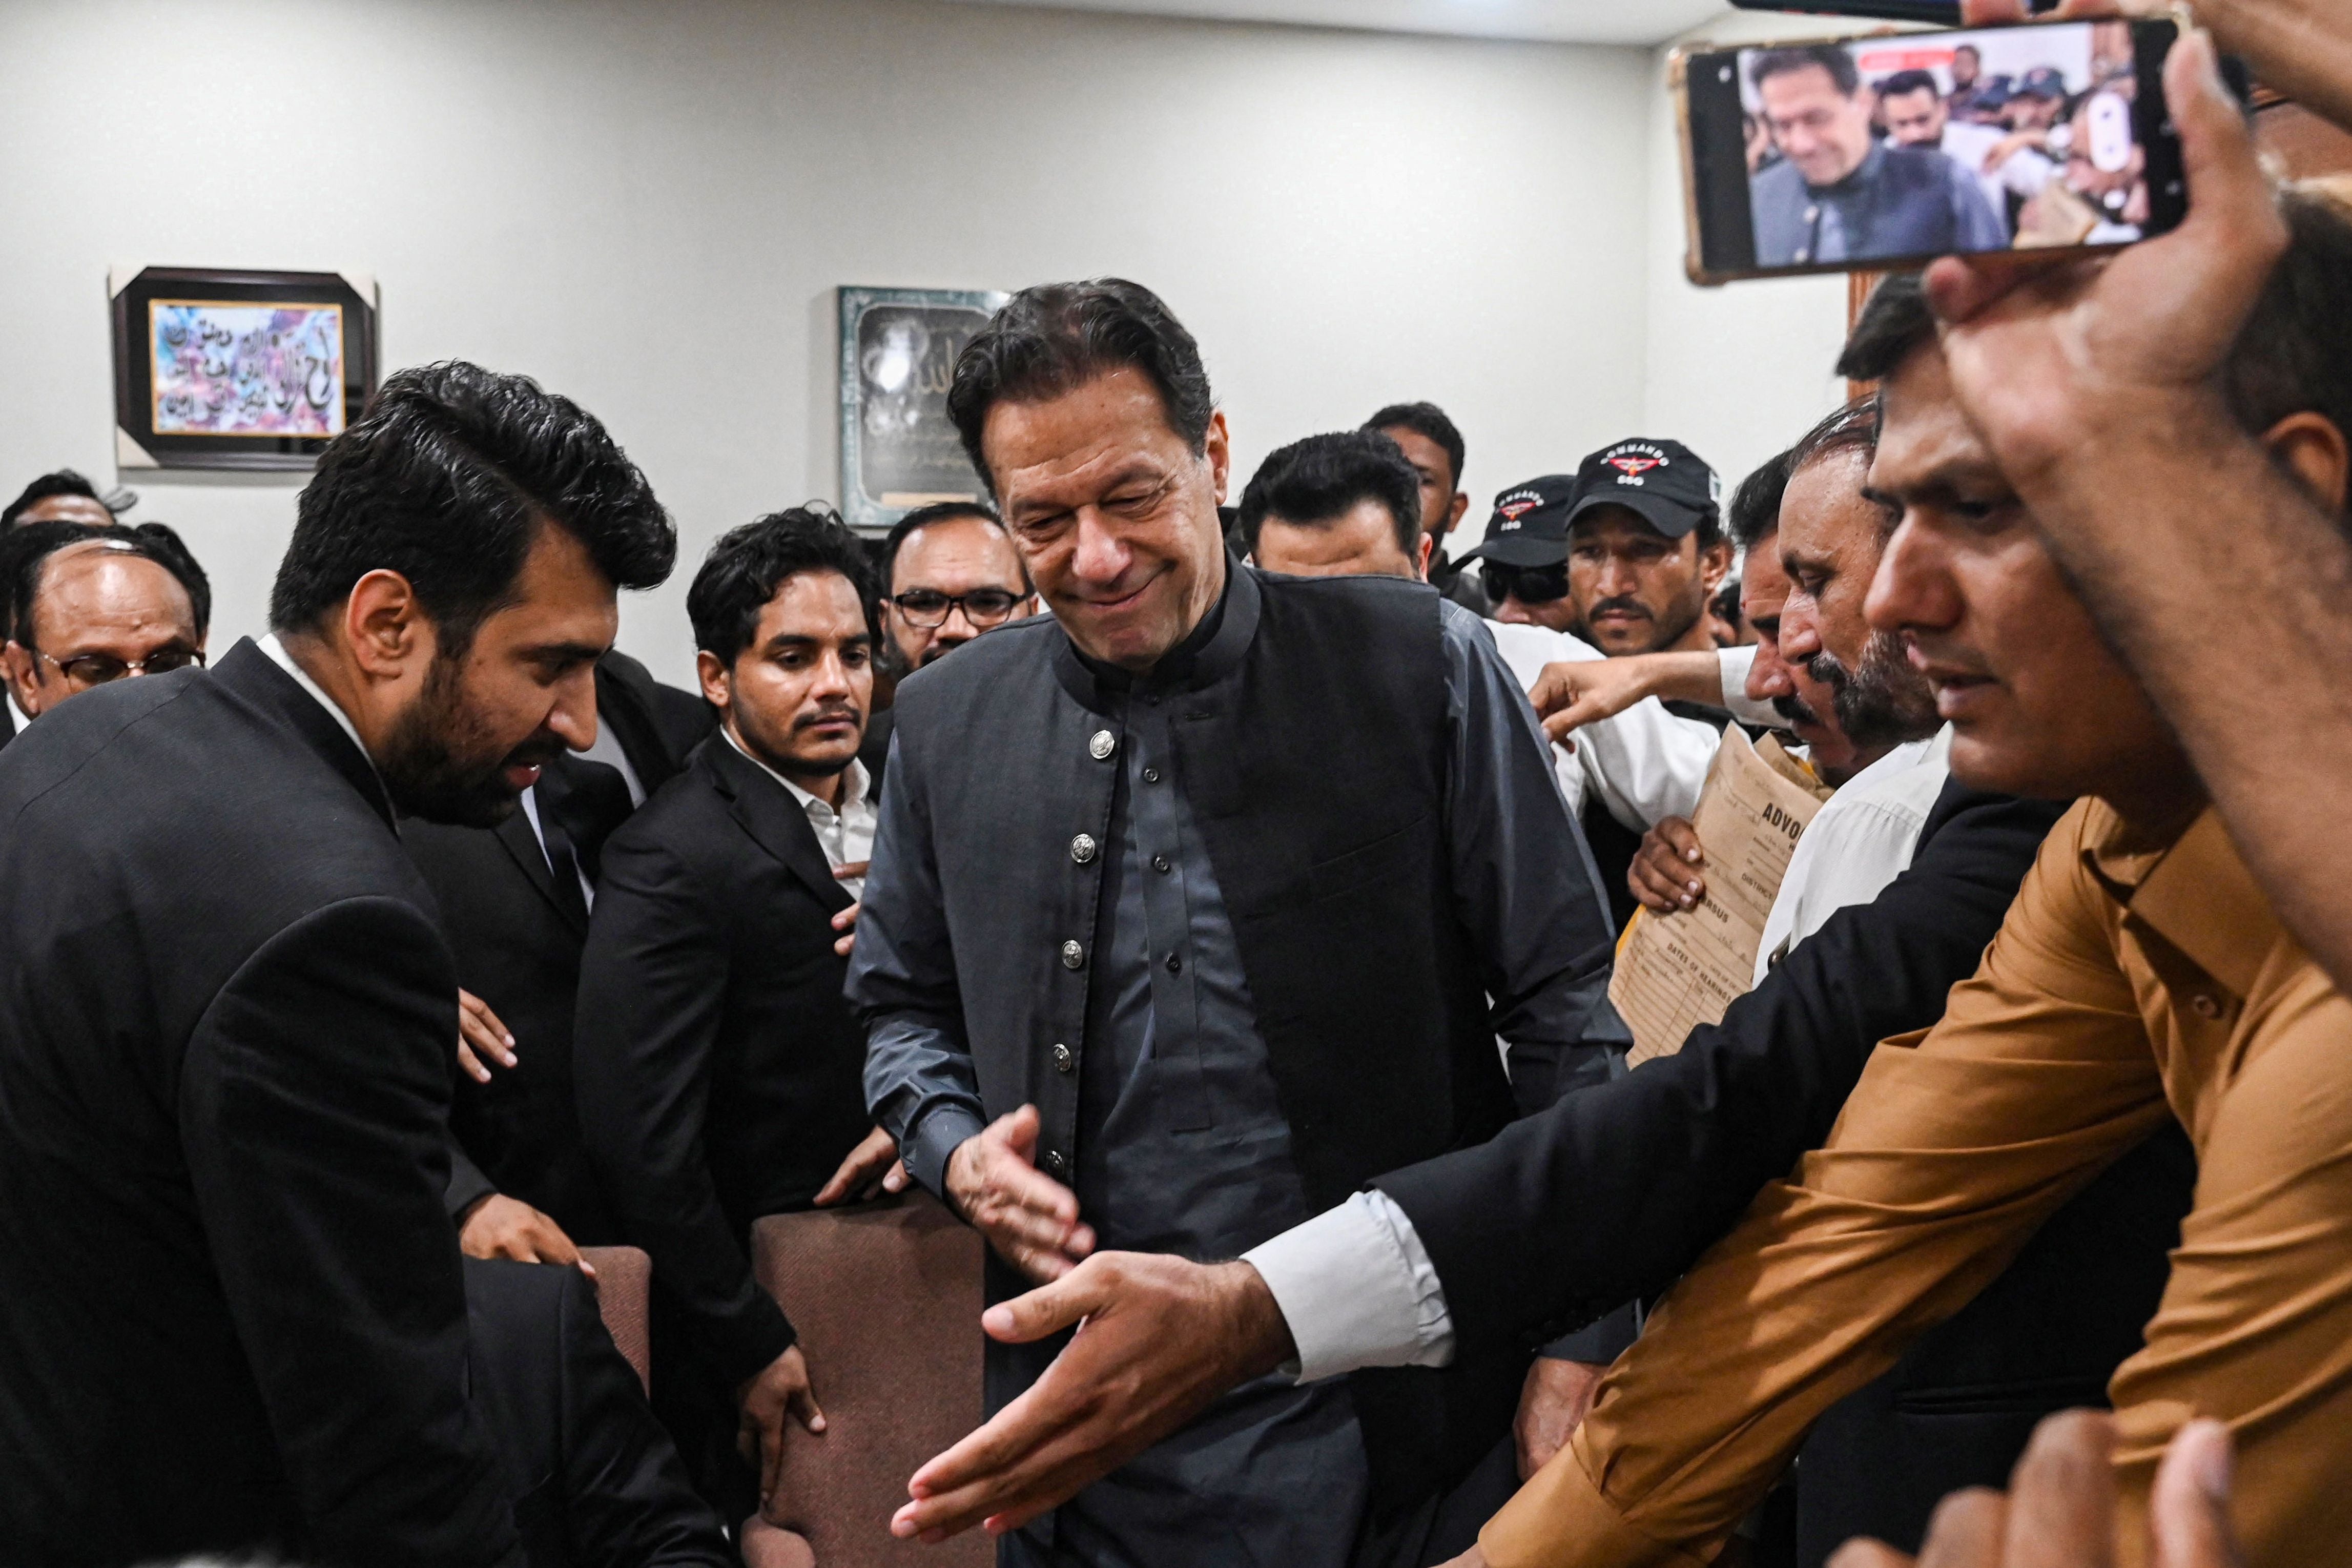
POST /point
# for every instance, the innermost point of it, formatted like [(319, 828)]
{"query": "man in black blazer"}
[(717, 1062), (520, 1186), (233, 1319), (596, 1483)]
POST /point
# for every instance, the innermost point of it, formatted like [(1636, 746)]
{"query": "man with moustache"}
[(716, 1062), (1141, 966), (1624, 554), (235, 1320)]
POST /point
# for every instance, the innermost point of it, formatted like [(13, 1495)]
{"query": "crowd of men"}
[(1214, 906)]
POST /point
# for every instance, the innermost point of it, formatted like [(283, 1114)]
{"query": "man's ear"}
[(2309, 445), (22, 668), (1453, 513), (713, 677), (386, 627), (1714, 561), (1420, 556), (1217, 448)]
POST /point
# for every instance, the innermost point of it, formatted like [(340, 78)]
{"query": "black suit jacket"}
[(518, 947), (1614, 1192), (716, 1061), (231, 1312), (598, 1484)]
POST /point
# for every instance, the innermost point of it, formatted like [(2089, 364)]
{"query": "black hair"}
[(1054, 337), (63, 482), (886, 560), (447, 479), (1904, 82), (2293, 354), (1852, 428), (1710, 530), (1426, 420), (24, 552), (1726, 602), (747, 564), (1755, 511), (1322, 477), (1831, 58), (1895, 320)]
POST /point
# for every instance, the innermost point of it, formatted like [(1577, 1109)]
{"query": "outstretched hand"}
[(1572, 693), (1031, 1220), (1158, 1339)]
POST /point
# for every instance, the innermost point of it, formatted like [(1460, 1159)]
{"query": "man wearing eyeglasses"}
[(87, 605), (950, 575)]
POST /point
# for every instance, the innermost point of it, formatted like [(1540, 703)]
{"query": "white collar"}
[(276, 649), (853, 779)]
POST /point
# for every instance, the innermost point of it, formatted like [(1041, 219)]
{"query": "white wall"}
[(647, 205)]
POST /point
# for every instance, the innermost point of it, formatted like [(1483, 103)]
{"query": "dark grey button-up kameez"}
[(1181, 1145)]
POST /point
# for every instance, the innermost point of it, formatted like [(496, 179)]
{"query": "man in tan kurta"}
[(2139, 975)]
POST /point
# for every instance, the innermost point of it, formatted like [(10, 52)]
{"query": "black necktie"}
[(579, 803)]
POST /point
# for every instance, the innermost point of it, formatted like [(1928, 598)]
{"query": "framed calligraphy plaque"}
[(898, 449), (216, 369)]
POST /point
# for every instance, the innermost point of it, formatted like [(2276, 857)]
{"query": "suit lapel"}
[(523, 845), (772, 815), (620, 704), (254, 677)]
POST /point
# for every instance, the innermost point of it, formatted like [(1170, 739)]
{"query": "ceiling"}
[(1558, 21)]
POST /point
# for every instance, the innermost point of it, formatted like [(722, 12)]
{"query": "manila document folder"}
[(1679, 971)]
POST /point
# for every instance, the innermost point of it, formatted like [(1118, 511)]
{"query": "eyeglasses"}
[(98, 668), (1527, 584), (929, 608)]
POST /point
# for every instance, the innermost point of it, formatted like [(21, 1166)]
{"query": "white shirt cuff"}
[(1735, 663), (1357, 1290)]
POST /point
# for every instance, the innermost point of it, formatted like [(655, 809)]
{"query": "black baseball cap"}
[(2042, 81), (1665, 482), (1529, 523)]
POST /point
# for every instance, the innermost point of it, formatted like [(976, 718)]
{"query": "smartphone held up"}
[(1886, 152)]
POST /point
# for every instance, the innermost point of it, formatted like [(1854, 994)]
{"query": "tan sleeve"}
[(2255, 1327), (1955, 1145)]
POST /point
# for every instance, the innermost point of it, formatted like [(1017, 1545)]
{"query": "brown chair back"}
[(886, 1297), (623, 1275)]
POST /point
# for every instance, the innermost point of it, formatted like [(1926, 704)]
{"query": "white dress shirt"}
[(1642, 764), (1861, 840), (285, 661), (847, 834), (1735, 663)]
